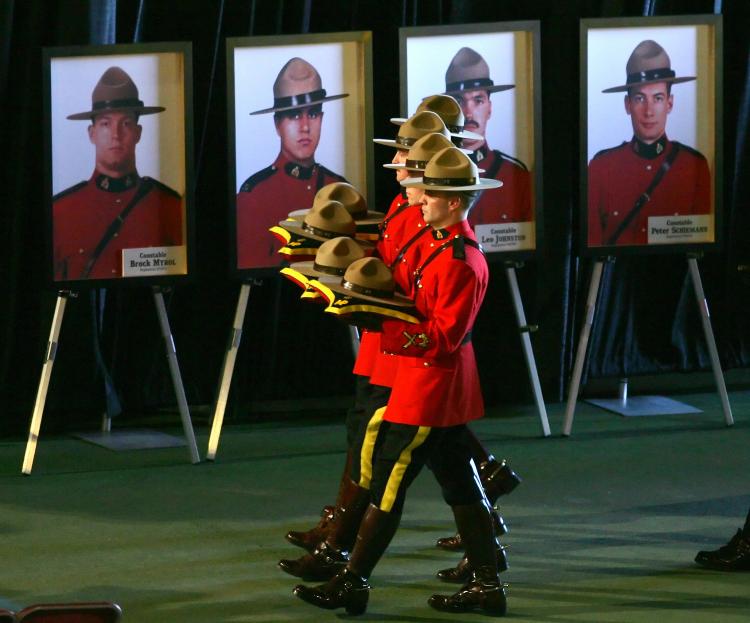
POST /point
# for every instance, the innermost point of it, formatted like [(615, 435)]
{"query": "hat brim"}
[(483, 184), (396, 167), (328, 98), (334, 289), (465, 134), (295, 236), (625, 87), (138, 110), (347, 303), (373, 217), (495, 88)]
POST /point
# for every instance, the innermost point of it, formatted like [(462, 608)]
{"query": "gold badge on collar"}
[(659, 148), (417, 339), (295, 171)]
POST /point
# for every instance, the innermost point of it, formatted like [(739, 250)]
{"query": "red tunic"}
[(266, 198), (512, 202), (83, 213), (437, 383), (617, 177)]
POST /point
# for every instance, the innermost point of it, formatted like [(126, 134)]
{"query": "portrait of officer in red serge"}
[(649, 175), (468, 80), (115, 208), (291, 181)]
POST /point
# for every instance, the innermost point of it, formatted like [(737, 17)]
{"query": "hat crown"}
[(330, 216), (446, 107), (451, 163), (425, 148), (422, 123), (338, 253), (467, 65), (297, 77), (344, 193), (647, 55), (370, 273), (114, 85)]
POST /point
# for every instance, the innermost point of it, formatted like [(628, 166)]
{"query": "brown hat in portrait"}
[(116, 92), (468, 71), (298, 85), (648, 63)]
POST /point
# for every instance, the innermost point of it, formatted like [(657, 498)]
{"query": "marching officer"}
[(291, 182), (468, 80), (435, 393), (650, 175), (116, 208)]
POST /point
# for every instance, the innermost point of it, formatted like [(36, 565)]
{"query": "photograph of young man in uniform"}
[(468, 80), (650, 176), (116, 208), (291, 181)]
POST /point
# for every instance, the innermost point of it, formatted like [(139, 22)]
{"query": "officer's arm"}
[(448, 321)]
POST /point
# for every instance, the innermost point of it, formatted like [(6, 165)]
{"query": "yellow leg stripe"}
[(368, 447), (397, 474)]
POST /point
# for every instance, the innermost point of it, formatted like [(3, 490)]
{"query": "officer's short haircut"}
[(468, 198), (284, 114)]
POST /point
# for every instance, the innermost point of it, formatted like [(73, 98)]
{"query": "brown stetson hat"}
[(450, 169), (366, 287), (449, 110), (332, 259), (414, 128), (115, 92), (422, 151), (328, 219), (298, 85), (648, 63), (468, 71), (351, 199)]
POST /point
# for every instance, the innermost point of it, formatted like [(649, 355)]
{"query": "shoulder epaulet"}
[(690, 150), (162, 187), (255, 179), (509, 158), (329, 173), (67, 191), (609, 149)]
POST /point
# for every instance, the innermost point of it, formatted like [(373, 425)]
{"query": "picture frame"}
[(124, 112), (324, 78), (508, 221), (633, 199)]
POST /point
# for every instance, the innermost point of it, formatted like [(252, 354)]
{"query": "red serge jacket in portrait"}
[(512, 202), (617, 177), (83, 213), (268, 197), (437, 383)]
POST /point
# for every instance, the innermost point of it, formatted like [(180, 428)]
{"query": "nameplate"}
[(680, 229), (154, 261), (506, 236)]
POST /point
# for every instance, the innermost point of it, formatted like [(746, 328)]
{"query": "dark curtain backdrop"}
[(647, 322)]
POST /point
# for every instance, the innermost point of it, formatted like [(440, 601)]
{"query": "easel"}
[(49, 361), (593, 293), (523, 330), (227, 368)]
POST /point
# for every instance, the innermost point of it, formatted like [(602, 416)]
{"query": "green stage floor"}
[(603, 529)]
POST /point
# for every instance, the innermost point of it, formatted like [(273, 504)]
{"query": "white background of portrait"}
[(691, 121), (160, 80), (509, 56), (341, 147)]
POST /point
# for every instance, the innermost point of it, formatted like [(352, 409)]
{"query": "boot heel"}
[(356, 602)]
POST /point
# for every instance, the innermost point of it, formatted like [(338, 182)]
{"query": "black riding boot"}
[(349, 589), (331, 555), (313, 537), (484, 592)]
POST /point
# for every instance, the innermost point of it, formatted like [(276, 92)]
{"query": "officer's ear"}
[(138, 132)]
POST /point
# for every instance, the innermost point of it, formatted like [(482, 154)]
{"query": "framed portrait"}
[(119, 163), (300, 118), (494, 72), (650, 134)]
